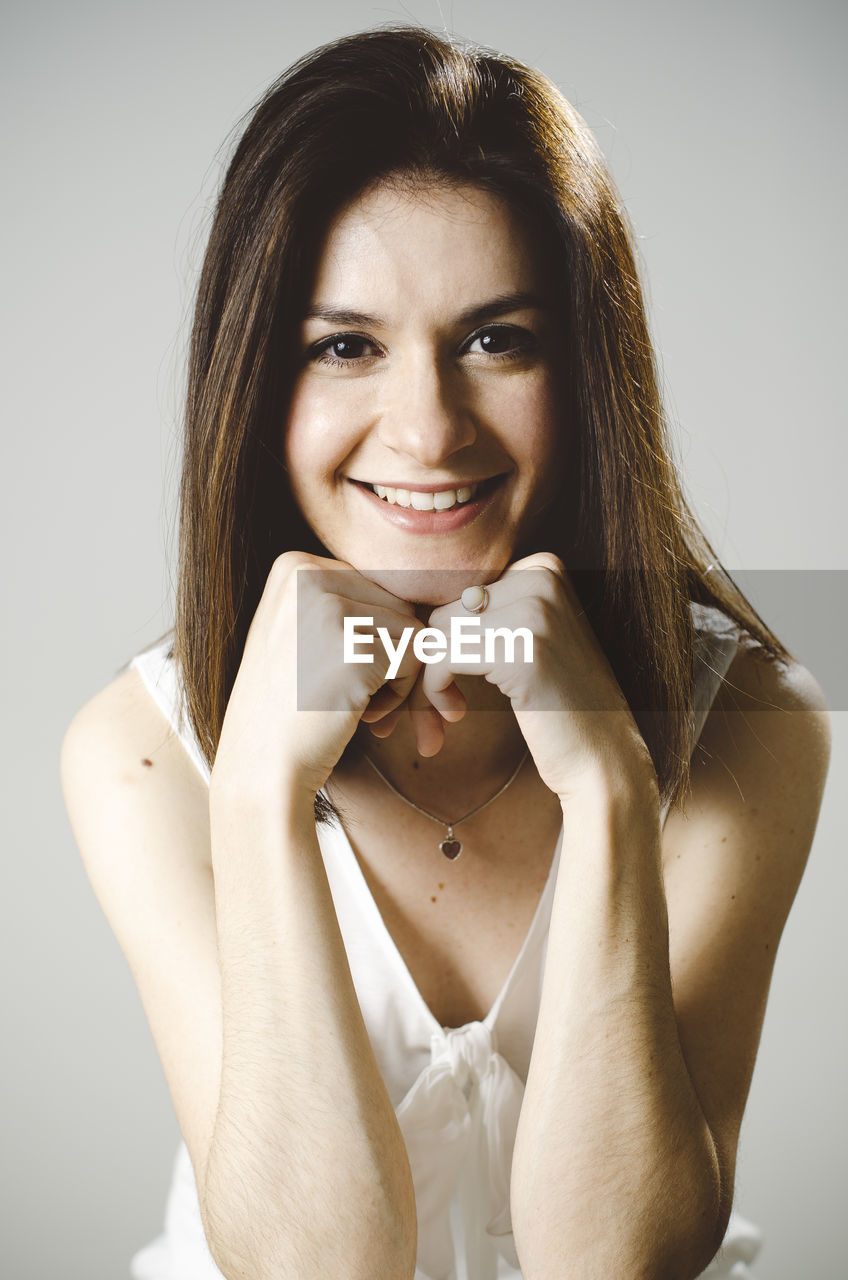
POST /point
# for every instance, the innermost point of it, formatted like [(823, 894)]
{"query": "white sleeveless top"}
[(457, 1092)]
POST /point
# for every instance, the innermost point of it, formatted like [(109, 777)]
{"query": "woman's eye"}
[(342, 348), (504, 340), (498, 342)]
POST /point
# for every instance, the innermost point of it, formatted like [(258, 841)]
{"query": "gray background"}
[(724, 124)]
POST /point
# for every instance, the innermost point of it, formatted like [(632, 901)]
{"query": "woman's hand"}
[(567, 702), (296, 703)]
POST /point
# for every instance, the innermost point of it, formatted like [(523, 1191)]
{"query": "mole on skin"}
[(147, 763)]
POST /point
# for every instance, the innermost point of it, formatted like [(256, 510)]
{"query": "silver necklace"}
[(450, 846)]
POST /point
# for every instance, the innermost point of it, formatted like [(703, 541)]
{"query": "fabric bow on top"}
[(459, 1122)]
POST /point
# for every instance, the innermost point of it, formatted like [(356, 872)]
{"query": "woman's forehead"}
[(403, 245)]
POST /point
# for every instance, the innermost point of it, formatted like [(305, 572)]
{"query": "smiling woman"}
[(422, 390), (448, 382)]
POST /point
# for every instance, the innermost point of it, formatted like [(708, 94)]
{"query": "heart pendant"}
[(451, 848)]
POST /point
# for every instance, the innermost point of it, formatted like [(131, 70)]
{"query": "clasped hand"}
[(296, 702), (567, 702)]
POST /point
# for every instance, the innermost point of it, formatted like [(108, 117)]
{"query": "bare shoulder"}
[(124, 721), (119, 748), (756, 681), (139, 811), (760, 765), (767, 736)]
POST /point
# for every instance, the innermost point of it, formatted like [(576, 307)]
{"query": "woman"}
[(495, 1012)]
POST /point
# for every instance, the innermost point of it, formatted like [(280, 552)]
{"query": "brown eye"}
[(342, 348), (501, 340), (346, 348)]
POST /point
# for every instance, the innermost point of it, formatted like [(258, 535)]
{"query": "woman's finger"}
[(449, 702), (382, 703), (429, 730), (428, 725), (384, 727)]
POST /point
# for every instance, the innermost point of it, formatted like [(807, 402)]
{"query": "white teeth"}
[(426, 501)]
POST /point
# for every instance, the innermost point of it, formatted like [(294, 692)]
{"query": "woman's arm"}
[(644, 1049), (307, 1173)]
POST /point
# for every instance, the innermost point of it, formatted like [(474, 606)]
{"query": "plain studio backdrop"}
[(724, 125)]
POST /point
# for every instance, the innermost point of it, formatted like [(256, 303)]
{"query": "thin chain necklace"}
[(450, 846)]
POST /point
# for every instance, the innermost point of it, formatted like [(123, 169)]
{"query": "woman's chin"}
[(428, 586)]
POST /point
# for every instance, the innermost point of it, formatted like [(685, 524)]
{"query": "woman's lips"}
[(429, 522)]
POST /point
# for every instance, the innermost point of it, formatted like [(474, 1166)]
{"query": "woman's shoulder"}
[(131, 711), (124, 771), (759, 682), (747, 738), (767, 736), (746, 676), (120, 717), (753, 678)]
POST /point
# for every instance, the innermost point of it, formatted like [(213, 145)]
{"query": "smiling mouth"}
[(435, 500)]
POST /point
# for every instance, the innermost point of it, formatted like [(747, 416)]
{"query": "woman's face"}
[(428, 359)]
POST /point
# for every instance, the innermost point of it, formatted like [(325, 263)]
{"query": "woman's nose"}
[(427, 414)]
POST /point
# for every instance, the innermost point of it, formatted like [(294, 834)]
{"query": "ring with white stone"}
[(474, 599)]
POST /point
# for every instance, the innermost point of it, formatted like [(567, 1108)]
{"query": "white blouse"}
[(457, 1092)]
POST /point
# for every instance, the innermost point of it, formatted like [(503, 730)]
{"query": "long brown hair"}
[(404, 101)]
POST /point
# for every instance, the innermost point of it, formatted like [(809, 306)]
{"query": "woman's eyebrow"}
[(500, 305), (341, 315)]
